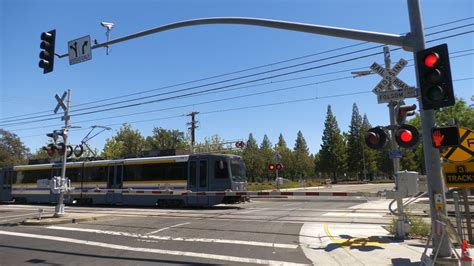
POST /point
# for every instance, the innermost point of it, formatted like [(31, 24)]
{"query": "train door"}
[(114, 183), (198, 180), (6, 178)]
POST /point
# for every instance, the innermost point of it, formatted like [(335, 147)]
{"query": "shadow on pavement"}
[(403, 262)]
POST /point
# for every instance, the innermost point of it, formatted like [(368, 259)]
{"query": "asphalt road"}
[(264, 231)]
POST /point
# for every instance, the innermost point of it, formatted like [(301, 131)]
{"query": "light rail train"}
[(152, 181)]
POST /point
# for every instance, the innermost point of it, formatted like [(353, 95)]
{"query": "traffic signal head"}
[(403, 111), (434, 71), (376, 138), (48, 40), (279, 166), (55, 135), (407, 136), (240, 144), (271, 167), (78, 150), (49, 149)]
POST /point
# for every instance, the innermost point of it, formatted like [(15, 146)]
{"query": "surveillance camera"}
[(108, 25)]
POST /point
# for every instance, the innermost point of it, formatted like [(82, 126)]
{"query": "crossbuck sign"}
[(382, 89)]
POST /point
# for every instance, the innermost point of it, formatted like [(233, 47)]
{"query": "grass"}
[(419, 227)]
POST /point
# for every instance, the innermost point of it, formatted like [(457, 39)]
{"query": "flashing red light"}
[(431, 60), (271, 167), (406, 135)]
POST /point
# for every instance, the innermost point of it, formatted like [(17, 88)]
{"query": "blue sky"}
[(193, 53)]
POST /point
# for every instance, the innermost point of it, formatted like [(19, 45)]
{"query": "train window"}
[(175, 171), (95, 174), (133, 173), (153, 172), (74, 174), (192, 174), (238, 171), (32, 176), (221, 170), (203, 174)]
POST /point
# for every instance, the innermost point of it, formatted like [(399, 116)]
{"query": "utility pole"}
[(431, 155), (59, 210), (192, 127)]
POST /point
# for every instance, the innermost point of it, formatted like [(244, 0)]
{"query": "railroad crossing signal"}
[(279, 166), (445, 137), (436, 84), (459, 174), (271, 167), (407, 136), (48, 40), (376, 138), (240, 144)]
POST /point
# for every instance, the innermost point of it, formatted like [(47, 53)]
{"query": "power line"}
[(253, 68), (190, 94)]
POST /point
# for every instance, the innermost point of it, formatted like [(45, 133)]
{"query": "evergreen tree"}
[(303, 161), (281, 141), (355, 145), (369, 156), (253, 161), (332, 153), (267, 155)]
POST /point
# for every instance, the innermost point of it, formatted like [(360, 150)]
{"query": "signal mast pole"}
[(59, 210)]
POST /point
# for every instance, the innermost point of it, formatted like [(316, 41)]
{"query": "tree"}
[(303, 161), (127, 142), (369, 156), (253, 161), (12, 149), (281, 141), (332, 153), (212, 144), (267, 155), (355, 145), (286, 158), (164, 139)]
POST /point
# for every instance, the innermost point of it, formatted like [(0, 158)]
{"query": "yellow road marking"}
[(355, 242)]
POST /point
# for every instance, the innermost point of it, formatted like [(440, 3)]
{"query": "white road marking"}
[(150, 250), (291, 204), (205, 240), (352, 214), (254, 210), (20, 215), (165, 228)]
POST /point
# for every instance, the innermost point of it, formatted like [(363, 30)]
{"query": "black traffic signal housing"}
[(48, 40), (376, 138), (403, 111), (279, 166), (240, 144), (407, 136), (434, 72), (442, 137), (49, 149)]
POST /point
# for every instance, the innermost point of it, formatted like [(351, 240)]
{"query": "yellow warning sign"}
[(465, 151), (459, 174)]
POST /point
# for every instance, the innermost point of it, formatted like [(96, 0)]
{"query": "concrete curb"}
[(61, 220)]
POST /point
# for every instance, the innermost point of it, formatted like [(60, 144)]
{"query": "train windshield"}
[(237, 167)]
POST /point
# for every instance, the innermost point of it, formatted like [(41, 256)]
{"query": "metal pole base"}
[(59, 210)]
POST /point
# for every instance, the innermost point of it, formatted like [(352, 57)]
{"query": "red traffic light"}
[(49, 150), (240, 144), (407, 136), (271, 167), (376, 138), (431, 60)]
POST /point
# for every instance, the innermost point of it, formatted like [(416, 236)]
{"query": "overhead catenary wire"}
[(253, 68)]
